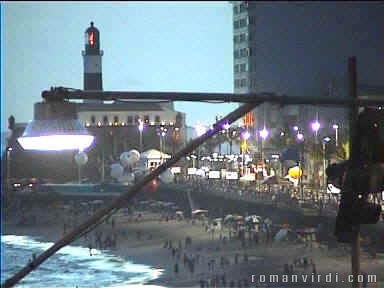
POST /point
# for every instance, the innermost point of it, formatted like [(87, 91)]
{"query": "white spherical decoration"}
[(117, 170), (167, 176), (81, 158), (129, 158)]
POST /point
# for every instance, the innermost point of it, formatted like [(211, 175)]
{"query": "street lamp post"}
[(300, 138), (200, 130), (226, 127), (315, 126), (336, 127), (9, 150), (141, 128), (325, 141), (163, 132), (263, 134), (245, 135)]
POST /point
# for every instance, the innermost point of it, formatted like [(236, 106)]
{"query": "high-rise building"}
[(302, 49)]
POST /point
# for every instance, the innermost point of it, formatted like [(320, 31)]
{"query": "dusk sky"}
[(148, 46), (186, 46)]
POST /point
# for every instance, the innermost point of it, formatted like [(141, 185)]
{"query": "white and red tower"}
[(92, 60)]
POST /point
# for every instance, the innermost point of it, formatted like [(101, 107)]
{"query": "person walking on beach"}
[(176, 269), (314, 269)]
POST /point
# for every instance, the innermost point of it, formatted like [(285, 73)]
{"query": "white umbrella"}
[(199, 211)]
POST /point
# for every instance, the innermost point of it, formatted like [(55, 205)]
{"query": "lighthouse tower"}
[(92, 60)]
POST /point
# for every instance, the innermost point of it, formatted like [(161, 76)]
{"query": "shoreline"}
[(141, 240)]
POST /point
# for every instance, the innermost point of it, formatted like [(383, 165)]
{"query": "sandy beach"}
[(198, 258)]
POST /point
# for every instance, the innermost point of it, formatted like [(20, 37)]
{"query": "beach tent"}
[(281, 235), (199, 212), (253, 219), (154, 154)]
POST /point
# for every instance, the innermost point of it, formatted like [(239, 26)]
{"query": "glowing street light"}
[(300, 136), (315, 126), (245, 135), (264, 133)]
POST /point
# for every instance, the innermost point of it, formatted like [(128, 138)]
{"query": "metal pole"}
[(324, 167), (79, 173), (103, 155), (141, 141), (100, 215), (337, 137), (355, 245)]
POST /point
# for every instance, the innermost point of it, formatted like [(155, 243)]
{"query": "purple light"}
[(141, 126), (226, 126), (315, 126), (335, 126), (245, 135), (264, 133), (300, 136)]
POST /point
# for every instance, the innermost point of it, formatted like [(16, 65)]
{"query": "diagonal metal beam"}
[(99, 215)]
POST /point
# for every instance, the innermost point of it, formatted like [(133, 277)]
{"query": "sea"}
[(72, 266)]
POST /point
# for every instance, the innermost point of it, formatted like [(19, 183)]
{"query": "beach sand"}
[(142, 240)]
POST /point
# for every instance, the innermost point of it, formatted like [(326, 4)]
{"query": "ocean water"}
[(72, 266)]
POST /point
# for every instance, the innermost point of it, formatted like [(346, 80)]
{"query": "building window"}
[(235, 9), (105, 119), (130, 119), (244, 67), (146, 118), (243, 8), (237, 83), (115, 119), (157, 119), (236, 68), (243, 82), (243, 22), (93, 119), (236, 54)]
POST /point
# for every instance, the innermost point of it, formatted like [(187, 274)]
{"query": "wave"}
[(71, 266)]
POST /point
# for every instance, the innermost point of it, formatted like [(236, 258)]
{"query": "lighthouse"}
[(92, 60)]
